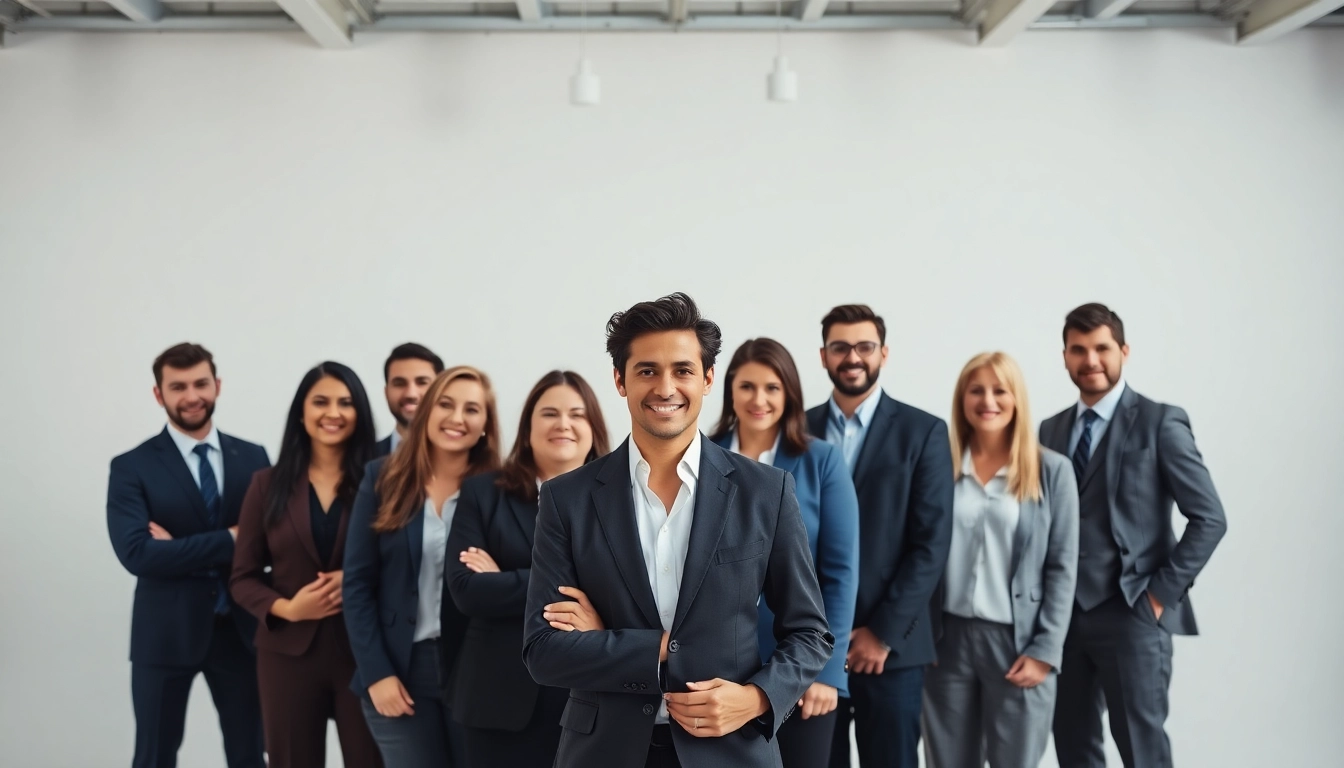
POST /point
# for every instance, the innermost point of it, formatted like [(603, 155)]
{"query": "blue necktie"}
[(210, 494), (1082, 454)]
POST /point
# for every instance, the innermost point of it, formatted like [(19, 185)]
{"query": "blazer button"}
[(643, 686), (410, 620), (648, 709), (673, 646)]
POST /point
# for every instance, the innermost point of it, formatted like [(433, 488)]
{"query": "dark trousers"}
[(1116, 658), (661, 752), (426, 739), (532, 747), (299, 694), (885, 710), (807, 743), (159, 696)]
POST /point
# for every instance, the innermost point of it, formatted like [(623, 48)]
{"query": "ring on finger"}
[(697, 724)]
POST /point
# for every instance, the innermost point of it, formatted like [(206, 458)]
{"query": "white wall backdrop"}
[(283, 205)]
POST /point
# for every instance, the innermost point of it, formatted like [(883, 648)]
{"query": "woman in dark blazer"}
[(1003, 607), (764, 418), (510, 720), (403, 627), (294, 519)]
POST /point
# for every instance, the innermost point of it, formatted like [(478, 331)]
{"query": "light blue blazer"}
[(830, 510)]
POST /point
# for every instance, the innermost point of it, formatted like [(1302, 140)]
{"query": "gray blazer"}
[(1045, 565), (1151, 462)]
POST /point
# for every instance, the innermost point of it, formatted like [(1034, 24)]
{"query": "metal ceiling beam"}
[(1105, 9), (529, 10), (324, 20), (35, 8), (678, 11), (143, 11), (1006, 19), (1269, 19), (813, 10)]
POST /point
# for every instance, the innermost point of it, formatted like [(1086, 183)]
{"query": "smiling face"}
[(853, 357), (989, 404), (560, 435), (458, 418), (664, 383), (188, 395), (407, 381), (329, 412), (1095, 361), (758, 397)]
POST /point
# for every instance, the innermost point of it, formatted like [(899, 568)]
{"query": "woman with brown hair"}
[(764, 418), (1004, 605), (404, 632), (509, 719)]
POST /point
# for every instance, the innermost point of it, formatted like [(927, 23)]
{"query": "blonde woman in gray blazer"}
[(1003, 608)]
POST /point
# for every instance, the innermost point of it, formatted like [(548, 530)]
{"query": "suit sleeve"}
[(803, 642), (128, 518), (838, 561), (488, 595), (607, 660), (928, 537), (1183, 471), (251, 555), (359, 586), (1060, 574)]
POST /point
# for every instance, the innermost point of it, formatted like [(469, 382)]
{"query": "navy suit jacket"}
[(380, 593), (747, 539), (382, 448), (173, 617), (903, 476), (830, 512)]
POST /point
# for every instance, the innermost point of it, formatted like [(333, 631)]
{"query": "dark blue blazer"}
[(380, 593), (903, 476), (830, 512), (173, 616)]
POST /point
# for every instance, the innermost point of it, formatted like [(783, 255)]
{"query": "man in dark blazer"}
[(172, 515), (673, 540), (901, 461), (407, 373), (1133, 458)]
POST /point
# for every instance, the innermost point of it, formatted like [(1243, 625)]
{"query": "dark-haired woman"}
[(404, 629), (294, 519), (509, 719), (764, 418)]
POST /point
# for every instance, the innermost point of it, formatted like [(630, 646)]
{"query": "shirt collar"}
[(688, 468), (735, 446), (187, 444), (396, 439), (968, 467), (864, 413), (1105, 407)]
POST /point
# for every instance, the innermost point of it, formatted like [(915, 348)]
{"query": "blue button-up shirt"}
[(849, 433), (1105, 409)]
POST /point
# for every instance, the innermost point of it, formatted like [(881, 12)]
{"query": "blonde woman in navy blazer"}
[(764, 418)]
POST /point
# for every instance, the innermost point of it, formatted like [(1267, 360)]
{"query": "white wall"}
[(283, 204)]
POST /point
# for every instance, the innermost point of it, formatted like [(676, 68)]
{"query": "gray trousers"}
[(971, 712)]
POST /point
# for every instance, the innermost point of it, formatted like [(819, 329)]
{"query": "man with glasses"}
[(901, 462)]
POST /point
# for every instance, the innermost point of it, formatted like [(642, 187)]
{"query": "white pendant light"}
[(781, 84), (585, 87)]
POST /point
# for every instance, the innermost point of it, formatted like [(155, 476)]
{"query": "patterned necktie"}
[(1082, 454), (210, 493)]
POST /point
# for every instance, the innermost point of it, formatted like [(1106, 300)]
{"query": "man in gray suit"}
[(1133, 457)]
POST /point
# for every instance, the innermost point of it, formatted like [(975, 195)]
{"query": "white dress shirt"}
[(766, 457), (979, 572), (433, 554), (187, 446), (665, 536)]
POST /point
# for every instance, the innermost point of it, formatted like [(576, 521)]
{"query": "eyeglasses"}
[(841, 348)]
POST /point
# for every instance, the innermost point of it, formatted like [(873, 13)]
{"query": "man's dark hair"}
[(412, 351), (848, 314), (676, 312), (1090, 317), (182, 356)]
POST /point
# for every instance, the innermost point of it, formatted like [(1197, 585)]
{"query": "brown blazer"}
[(289, 549)]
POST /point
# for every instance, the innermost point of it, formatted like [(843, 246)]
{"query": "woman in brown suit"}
[(294, 519)]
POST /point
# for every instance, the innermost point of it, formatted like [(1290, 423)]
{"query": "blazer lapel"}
[(525, 515), (1117, 434), (883, 417), (236, 480), (786, 462), (415, 539), (1060, 427), (713, 497), (177, 467), (1029, 521), (816, 420), (616, 515), (300, 516)]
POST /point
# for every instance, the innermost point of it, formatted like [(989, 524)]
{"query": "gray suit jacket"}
[(1151, 462), (747, 540), (1045, 565)]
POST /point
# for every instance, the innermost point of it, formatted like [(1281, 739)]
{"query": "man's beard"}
[(187, 426), (853, 390)]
